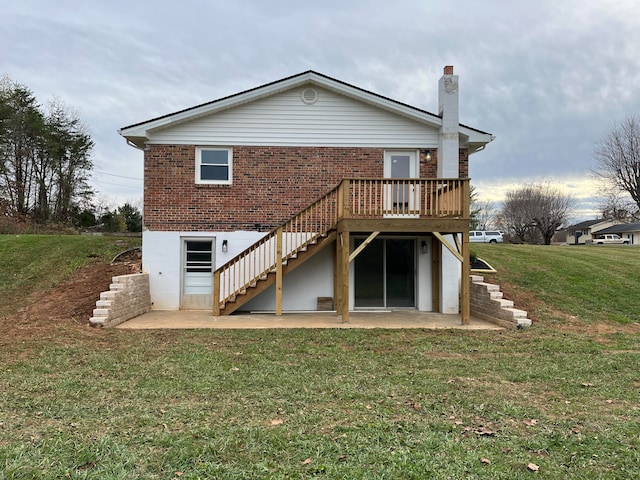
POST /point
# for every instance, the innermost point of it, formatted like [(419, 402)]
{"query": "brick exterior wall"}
[(270, 184)]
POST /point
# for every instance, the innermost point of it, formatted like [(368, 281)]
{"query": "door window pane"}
[(369, 275), (400, 276), (198, 256), (400, 166)]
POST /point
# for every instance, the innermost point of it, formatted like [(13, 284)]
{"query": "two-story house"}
[(308, 188)]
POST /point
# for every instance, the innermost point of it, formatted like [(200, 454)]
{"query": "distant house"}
[(587, 230), (357, 200), (630, 231)]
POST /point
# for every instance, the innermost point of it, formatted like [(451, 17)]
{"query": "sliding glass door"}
[(384, 274)]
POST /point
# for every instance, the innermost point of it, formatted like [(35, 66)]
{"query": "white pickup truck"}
[(477, 236), (610, 239)]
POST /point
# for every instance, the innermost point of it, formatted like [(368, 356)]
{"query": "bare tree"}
[(535, 211), (483, 212), (617, 158), (68, 148), (552, 210), (487, 214), (616, 205), (516, 216)]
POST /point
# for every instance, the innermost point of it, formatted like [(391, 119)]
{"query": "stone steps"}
[(487, 303), (128, 297)]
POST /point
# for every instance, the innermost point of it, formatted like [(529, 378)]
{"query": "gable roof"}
[(621, 228), (586, 224), (138, 133)]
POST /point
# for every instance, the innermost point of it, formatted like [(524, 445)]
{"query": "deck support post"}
[(216, 293), (344, 276), (436, 254), (337, 275), (279, 272), (465, 250), (465, 282)]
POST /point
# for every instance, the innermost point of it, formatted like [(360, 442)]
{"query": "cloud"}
[(547, 78)]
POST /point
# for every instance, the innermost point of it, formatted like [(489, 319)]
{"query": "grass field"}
[(560, 398), (29, 263), (593, 283)]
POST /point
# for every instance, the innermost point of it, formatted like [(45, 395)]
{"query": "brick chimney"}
[(448, 140)]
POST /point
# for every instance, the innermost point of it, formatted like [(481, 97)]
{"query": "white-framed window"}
[(214, 165)]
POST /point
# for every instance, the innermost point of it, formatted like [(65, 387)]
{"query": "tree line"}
[(45, 165), (45, 157), (530, 213), (534, 211)]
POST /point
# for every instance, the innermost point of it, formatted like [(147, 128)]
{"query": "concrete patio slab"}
[(385, 319)]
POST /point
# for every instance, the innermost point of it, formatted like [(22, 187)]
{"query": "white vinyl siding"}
[(285, 120)]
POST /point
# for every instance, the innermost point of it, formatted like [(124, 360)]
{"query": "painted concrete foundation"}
[(163, 257)]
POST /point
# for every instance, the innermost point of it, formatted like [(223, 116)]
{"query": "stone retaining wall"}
[(128, 297), (487, 304)]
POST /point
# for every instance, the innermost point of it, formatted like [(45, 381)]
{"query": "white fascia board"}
[(474, 139)]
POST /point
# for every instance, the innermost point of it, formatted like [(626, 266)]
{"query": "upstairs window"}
[(214, 165)]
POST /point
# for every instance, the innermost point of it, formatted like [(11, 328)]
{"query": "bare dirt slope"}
[(66, 308)]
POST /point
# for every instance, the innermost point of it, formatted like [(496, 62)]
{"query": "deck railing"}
[(415, 197), (353, 198)]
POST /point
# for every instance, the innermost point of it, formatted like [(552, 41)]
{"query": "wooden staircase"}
[(280, 251), (288, 246), (269, 278)]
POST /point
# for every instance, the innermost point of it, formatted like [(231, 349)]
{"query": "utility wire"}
[(114, 175), (100, 182)]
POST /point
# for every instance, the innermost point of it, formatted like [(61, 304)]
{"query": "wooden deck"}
[(370, 206)]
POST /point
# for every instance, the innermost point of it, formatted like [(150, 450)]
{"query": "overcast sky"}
[(547, 78)]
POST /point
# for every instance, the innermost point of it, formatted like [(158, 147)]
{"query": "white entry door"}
[(401, 195), (197, 274)]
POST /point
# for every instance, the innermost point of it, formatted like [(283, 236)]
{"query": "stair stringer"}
[(291, 264)]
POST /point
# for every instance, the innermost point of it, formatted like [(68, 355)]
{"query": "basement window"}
[(214, 165)]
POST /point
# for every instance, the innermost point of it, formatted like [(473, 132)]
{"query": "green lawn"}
[(593, 283), (412, 404), (30, 263)]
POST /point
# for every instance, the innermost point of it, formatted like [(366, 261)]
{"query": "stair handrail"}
[(259, 259)]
